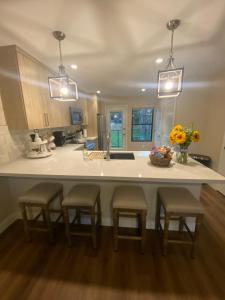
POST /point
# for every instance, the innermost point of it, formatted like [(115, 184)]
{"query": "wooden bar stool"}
[(129, 201), (178, 203), (85, 198), (41, 195)]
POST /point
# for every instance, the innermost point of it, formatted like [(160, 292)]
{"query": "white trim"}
[(8, 221), (221, 169), (220, 166)]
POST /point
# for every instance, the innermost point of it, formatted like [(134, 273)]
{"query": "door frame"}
[(221, 168), (117, 108)]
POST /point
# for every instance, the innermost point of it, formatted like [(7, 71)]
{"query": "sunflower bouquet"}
[(182, 137)]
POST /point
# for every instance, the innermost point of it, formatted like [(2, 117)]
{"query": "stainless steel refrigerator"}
[(102, 131)]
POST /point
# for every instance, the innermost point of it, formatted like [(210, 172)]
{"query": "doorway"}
[(117, 126)]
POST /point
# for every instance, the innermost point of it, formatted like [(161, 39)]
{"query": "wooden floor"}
[(39, 271)]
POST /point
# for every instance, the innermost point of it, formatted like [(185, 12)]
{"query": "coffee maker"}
[(60, 138)]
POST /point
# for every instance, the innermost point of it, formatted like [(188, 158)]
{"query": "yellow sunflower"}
[(178, 127), (180, 137), (195, 136), (172, 138)]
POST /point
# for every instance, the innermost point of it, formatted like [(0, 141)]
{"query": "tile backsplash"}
[(12, 145)]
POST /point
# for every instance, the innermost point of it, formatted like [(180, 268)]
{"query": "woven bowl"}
[(160, 162)]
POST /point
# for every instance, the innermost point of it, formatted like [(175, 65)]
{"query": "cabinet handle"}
[(47, 119), (45, 123)]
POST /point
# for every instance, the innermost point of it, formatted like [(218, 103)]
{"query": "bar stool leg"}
[(99, 220), (165, 233), (139, 216), (196, 235), (44, 218), (25, 222), (143, 230), (48, 222), (67, 225), (93, 228), (78, 216), (181, 224), (157, 215), (115, 228)]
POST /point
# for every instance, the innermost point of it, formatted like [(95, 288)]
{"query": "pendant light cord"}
[(171, 44), (171, 59), (60, 54)]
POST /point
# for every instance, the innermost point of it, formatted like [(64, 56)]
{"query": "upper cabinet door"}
[(31, 88)]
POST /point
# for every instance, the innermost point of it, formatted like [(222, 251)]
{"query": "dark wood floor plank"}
[(39, 271)]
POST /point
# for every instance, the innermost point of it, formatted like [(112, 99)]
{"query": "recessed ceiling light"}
[(143, 90), (159, 60), (98, 92), (73, 67)]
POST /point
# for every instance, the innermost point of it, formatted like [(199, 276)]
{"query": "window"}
[(142, 122)]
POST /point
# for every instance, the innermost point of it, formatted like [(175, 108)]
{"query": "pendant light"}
[(62, 87), (171, 79)]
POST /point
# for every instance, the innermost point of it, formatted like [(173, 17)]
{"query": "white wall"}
[(205, 108), (215, 124), (192, 108)]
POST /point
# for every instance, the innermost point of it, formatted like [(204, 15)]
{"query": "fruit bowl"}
[(160, 156)]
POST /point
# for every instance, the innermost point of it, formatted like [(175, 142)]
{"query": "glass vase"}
[(182, 155)]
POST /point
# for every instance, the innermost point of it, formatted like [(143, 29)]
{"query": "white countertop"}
[(66, 163)]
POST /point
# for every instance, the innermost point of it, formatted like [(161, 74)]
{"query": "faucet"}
[(108, 138)]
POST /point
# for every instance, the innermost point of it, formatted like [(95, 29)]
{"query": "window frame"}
[(133, 124)]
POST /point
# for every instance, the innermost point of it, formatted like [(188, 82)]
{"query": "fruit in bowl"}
[(160, 156)]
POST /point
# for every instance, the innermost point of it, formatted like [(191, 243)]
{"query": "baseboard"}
[(8, 221)]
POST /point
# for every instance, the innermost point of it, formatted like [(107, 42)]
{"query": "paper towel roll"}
[(84, 133)]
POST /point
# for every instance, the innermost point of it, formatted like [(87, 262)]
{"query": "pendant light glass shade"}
[(170, 83), (62, 87), (170, 80)]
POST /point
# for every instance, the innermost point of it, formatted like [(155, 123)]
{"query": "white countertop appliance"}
[(37, 147)]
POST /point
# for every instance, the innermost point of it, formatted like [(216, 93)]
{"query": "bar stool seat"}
[(82, 195), (179, 200), (178, 203), (83, 198), (129, 201), (41, 195), (131, 197)]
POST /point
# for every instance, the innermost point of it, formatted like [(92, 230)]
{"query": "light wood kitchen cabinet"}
[(25, 93), (2, 115), (92, 110), (31, 92)]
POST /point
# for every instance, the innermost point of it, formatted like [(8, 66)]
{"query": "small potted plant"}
[(181, 137)]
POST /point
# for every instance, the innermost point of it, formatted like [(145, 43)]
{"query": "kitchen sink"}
[(122, 155)]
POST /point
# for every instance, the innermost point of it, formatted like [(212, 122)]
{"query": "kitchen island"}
[(68, 166)]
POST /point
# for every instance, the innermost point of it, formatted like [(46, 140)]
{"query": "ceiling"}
[(115, 42)]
